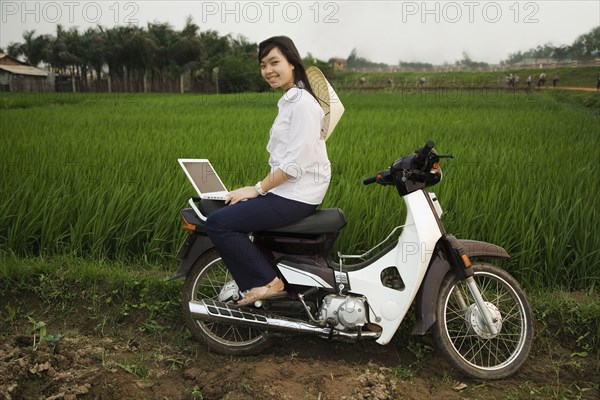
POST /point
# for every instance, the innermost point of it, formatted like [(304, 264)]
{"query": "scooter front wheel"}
[(463, 335), (205, 281)]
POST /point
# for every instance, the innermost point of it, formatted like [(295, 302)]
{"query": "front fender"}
[(193, 247), (427, 296), (440, 265), (477, 249)]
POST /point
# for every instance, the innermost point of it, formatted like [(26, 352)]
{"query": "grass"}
[(89, 290), (96, 176), (571, 77), (105, 294)]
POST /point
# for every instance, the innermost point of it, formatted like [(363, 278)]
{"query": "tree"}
[(34, 49), (416, 65), (468, 63), (587, 46), (161, 38), (14, 50), (238, 73), (238, 70), (64, 51), (355, 62), (561, 53), (187, 48), (95, 48), (215, 47), (134, 55), (325, 67)]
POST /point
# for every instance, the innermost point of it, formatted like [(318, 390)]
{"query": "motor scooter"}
[(480, 317)]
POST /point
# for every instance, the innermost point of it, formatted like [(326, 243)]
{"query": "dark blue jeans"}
[(228, 228)]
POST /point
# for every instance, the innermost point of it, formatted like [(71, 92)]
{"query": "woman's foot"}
[(271, 289)]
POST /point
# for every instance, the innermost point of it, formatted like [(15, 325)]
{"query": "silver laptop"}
[(204, 178)]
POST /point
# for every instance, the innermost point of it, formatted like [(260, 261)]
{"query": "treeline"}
[(152, 58), (585, 47), (354, 62)]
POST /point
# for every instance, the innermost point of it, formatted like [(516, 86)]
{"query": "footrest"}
[(278, 295)]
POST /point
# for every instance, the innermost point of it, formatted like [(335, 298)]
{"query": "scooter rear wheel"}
[(204, 281), (464, 338)]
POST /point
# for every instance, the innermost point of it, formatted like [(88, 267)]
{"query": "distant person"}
[(511, 80), (542, 80), (555, 80), (529, 81), (422, 81), (390, 82), (362, 81)]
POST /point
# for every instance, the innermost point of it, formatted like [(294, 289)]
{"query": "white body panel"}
[(411, 256), (295, 276)]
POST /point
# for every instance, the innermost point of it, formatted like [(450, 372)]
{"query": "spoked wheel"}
[(464, 337), (209, 278)]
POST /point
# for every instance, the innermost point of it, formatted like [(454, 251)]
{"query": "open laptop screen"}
[(202, 175)]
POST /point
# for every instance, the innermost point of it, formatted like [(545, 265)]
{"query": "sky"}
[(435, 32)]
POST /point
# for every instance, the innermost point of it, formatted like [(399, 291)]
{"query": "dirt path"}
[(132, 365), (582, 89)]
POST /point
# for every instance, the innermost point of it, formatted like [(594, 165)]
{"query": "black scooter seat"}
[(327, 220)]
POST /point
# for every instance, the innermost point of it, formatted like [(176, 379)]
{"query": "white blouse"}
[(295, 146)]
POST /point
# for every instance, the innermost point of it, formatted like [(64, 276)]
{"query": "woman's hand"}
[(241, 194)]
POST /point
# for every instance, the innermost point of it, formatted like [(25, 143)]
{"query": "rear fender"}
[(444, 261), (191, 250)]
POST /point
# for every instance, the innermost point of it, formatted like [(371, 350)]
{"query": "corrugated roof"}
[(24, 70)]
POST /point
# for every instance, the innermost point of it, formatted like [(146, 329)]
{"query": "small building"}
[(338, 64), (18, 76)]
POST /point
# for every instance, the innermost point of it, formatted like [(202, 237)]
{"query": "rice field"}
[(96, 175)]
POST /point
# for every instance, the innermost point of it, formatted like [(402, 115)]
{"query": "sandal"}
[(272, 289)]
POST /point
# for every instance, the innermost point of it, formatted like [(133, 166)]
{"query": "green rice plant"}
[(570, 77), (97, 175)]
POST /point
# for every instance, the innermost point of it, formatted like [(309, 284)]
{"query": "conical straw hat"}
[(329, 100)]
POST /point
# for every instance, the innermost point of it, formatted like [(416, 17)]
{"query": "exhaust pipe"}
[(209, 310)]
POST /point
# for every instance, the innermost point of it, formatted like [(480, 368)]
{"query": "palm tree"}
[(186, 50), (34, 49), (127, 55), (94, 45), (161, 38)]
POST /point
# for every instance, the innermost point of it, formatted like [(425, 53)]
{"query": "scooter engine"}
[(343, 312)]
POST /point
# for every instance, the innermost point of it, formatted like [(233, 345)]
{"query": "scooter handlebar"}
[(370, 180), (425, 150), (382, 178), (419, 160)]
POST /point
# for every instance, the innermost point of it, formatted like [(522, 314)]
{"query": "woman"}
[(296, 185)]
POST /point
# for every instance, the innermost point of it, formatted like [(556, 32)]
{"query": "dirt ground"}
[(126, 363)]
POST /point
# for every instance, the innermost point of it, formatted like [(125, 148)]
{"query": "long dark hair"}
[(290, 52)]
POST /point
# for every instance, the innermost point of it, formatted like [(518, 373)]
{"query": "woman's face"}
[(276, 70)]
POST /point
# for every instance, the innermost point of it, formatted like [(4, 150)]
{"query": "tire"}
[(464, 338), (204, 281)]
